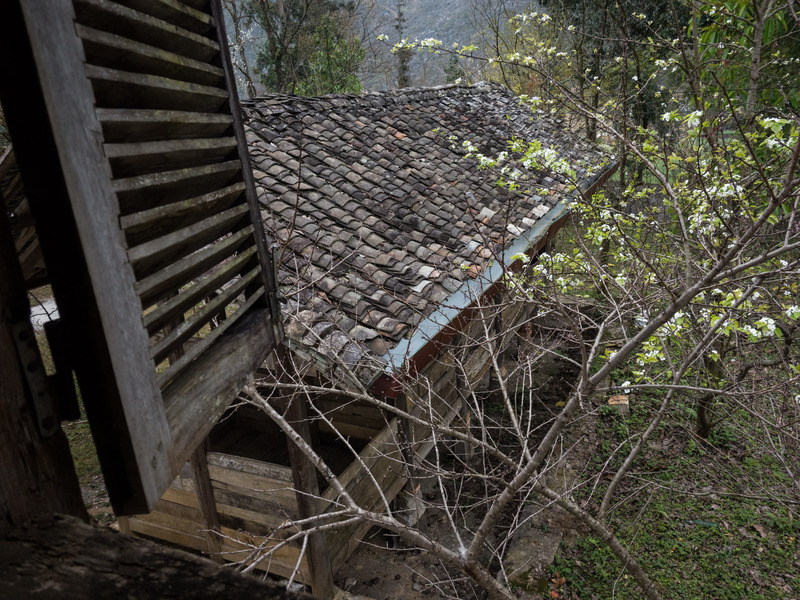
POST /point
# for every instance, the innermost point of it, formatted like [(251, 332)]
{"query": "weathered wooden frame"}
[(144, 428)]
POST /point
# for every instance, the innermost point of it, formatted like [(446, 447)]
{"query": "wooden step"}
[(149, 224), (197, 292), (144, 192), (128, 160), (202, 5), (169, 248), (190, 387), (177, 336), (182, 272), (173, 12), (121, 89)]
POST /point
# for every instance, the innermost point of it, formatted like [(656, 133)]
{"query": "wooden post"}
[(307, 490), (464, 450), (38, 476), (207, 502), (409, 501), (199, 463)]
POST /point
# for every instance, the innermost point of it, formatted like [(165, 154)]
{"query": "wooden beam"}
[(38, 475), (307, 492), (208, 505), (198, 396), (262, 243), (409, 500)]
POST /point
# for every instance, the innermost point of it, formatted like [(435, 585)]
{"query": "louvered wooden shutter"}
[(178, 313)]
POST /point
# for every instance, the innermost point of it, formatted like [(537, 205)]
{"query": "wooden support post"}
[(307, 491), (464, 450), (38, 474), (207, 502), (408, 502), (202, 480), (124, 524)]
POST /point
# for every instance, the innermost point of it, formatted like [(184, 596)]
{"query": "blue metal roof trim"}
[(471, 290)]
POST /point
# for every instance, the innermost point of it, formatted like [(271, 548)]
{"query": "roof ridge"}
[(277, 101)]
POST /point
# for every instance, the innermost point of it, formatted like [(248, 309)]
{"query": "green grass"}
[(81, 443), (732, 541), (693, 549)]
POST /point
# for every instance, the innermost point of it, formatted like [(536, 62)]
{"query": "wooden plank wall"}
[(252, 497), (504, 325)]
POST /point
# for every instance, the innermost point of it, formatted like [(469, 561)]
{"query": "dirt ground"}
[(383, 569)]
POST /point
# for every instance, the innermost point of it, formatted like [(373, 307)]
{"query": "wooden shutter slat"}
[(148, 191), (197, 4), (201, 289), (202, 386), (158, 217), (135, 448), (177, 368), (149, 224), (181, 272), (125, 22), (177, 244), (120, 89), (127, 125), (177, 336), (106, 49), (128, 160), (173, 12)]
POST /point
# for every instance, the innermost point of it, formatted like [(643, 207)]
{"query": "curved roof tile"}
[(381, 215)]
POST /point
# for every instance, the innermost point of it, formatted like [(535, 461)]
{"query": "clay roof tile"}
[(392, 218)]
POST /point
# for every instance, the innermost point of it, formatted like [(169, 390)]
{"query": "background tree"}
[(748, 47), (298, 35), (333, 66), (240, 34), (403, 55), (454, 71)]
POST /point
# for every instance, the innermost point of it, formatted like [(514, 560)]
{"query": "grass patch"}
[(81, 443), (706, 518)]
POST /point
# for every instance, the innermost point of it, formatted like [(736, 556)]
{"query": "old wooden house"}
[(130, 191), (391, 239)]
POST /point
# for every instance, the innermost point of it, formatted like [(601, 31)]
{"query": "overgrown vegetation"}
[(310, 47), (706, 517), (689, 263)]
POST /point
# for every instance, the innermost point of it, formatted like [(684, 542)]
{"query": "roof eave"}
[(415, 353)]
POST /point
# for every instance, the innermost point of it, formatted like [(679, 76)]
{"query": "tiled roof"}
[(382, 216)]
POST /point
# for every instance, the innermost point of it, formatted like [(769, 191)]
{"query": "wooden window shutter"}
[(156, 250)]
